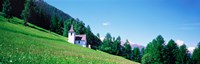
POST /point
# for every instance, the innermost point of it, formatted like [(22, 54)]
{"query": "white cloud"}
[(191, 49), (190, 26), (102, 38), (179, 42), (105, 23)]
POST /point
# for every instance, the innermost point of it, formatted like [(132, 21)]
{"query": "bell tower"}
[(71, 35)]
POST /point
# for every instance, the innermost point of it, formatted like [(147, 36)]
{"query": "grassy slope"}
[(19, 44)]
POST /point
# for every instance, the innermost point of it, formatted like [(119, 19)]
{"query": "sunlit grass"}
[(33, 45)]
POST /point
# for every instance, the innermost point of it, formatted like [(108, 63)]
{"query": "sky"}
[(139, 21)]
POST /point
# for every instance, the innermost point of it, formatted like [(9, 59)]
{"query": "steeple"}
[(71, 35), (71, 29)]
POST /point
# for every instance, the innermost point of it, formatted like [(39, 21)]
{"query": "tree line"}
[(156, 52), (113, 46)]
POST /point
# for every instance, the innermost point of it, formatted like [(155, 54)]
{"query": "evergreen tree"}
[(154, 52), (136, 55), (128, 53), (106, 45), (26, 12), (183, 55), (67, 25), (59, 29), (98, 35), (142, 51), (116, 45), (148, 59), (171, 52), (196, 55), (88, 27), (160, 49), (66, 28), (121, 51), (53, 23), (7, 8)]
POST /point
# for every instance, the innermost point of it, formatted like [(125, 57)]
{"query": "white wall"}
[(71, 37), (81, 43)]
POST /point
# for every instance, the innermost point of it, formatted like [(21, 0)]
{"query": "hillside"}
[(41, 15), (41, 12), (33, 45)]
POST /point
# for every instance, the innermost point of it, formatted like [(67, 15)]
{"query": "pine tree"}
[(183, 55), (98, 35), (128, 53), (26, 12), (53, 23), (67, 25), (172, 50), (154, 52), (7, 8), (196, 55), (116, 45), (59, 29), (106, 45), (136, 54)]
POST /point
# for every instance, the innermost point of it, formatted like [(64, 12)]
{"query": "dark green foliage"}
[(17, 7), (171, 52), (1, 2), (2, 14), (92, 39), (53, 24), (147, 59), (183, 55), (121, 51), (98, 35), (67, 25), (136, 55), (56, 25), (196, 55), (128, 50), (26, 12), (7, 8), (155, 51), (142, 51), (59, 29), (106, 45), (115, 48), (111, 45)]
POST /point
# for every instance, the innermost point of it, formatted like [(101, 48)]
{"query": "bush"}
[(3, 14), (147, 59)]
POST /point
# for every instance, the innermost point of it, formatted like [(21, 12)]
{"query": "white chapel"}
[(76, 39)]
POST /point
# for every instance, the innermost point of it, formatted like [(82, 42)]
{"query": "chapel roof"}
[(71, 29), (80, 37)]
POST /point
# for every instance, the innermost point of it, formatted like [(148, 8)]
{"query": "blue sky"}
[(139, 21)]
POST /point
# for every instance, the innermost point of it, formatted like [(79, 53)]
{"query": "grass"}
[(34, 45)]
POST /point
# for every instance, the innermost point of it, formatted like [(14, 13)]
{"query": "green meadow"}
[(21, 44)]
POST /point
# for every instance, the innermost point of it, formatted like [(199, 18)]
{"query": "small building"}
[(77, 39)]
